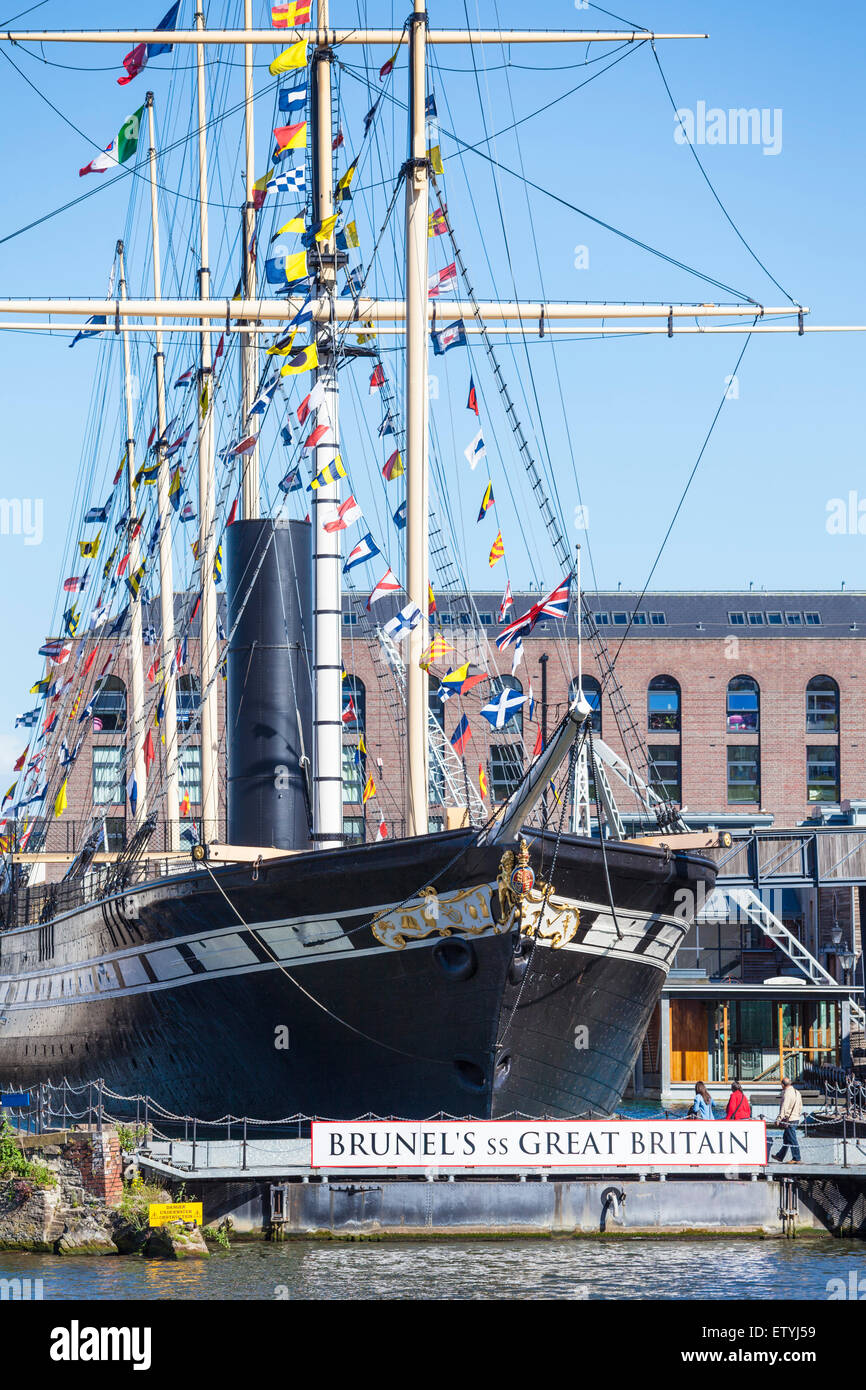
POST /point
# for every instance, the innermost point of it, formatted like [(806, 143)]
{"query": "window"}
[(658, 619), (486, 619), (601, 619), (592, 694), (115, 834), (506, 769), (744, 698), (794, 619), (497, 685), (822, 773), (188, 701), (189, 774), (737, 619), (774, 619), (109, 707), (756, 619), (813, 619), (822, 705), (620, 619), (354, 698), (744, 783), (354, 829), (350, 619), (435, 707), (108, 776), (638, 619), (446, 619), (666, 770), (663, 704), (354, 774)]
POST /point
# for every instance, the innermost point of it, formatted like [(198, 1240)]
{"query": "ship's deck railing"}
[(37, 904)]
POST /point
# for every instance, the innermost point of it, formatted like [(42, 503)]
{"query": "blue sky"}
[(637, 410)]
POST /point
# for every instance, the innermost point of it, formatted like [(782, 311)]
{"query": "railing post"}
[(146, 1120), (90, 1105), (99, 1112), (194, 1129), (244, 1163)]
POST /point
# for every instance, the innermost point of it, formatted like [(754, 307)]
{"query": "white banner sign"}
[(354, 1144)]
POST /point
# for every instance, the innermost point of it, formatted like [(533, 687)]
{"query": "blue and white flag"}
[(89, 332), (265, 395), (504, 707), (97, 513), (304, 314), (400, 516), (132, 793), (451, 336), (475, 449), (364, 550), (27, 720), (293, 100), (289, 181), (402, 624), (291, 482)]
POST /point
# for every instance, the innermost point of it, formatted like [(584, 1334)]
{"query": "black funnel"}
[(269, 696)]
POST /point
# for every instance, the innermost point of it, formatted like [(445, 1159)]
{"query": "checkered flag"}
[(291, 181)]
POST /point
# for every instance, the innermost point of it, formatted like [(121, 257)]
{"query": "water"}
[(491, 1270)]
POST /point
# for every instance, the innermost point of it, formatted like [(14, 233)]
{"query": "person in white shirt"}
[(790, 1113)]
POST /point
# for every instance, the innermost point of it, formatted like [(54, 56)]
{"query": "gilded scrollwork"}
[(548, 919), (466, 912)]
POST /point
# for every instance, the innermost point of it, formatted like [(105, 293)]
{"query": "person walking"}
[(738, 1104), (702, 1105), (790, 1113)]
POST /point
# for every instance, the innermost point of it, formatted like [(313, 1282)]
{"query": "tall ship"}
[(187, 910)]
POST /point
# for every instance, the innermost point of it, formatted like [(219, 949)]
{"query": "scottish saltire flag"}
[(451, 336), (475, 449), (403, 622), (504, 707), (89, 332), (400, 517), (292, 180), (461, 735), (553, 605), (364, 550), (293, 100)]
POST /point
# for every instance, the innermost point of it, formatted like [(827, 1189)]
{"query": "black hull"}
[(162, 991)]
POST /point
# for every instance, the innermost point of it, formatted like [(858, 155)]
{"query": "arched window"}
[(188, 701), (822, 705), (744, 700), (109, 707), (592, 694), (354, 705), (497, 685), (663, 705)]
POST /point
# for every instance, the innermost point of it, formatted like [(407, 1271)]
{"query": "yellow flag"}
[(303, 361), (293, 57), (61, 802), (434, 154), (283, 346), (369, 790), (296, 266), (202, 401), (294, 224), (343, 187), (350, 232), (326, 229)]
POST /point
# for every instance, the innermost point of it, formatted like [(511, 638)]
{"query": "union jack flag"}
[(553, 605)]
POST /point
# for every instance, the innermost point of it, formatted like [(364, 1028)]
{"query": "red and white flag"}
[(311, 402), (377, 380), (506, 603), (442, 280), (382, 832), (348, 715), (322, 434), (388, 584), (347, 513)]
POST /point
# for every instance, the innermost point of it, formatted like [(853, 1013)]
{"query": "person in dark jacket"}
[(738, 1104)]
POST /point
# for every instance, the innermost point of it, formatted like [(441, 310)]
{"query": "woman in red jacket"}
[(738, 1105)]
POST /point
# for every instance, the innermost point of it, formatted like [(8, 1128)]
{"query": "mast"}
[(327, 576), (249, 352), (166, 568), (580, 822), (207, 610), (417, 499), (136, 678)]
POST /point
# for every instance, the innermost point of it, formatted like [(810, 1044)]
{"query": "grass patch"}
[(135, 1203), (19, 1175)]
